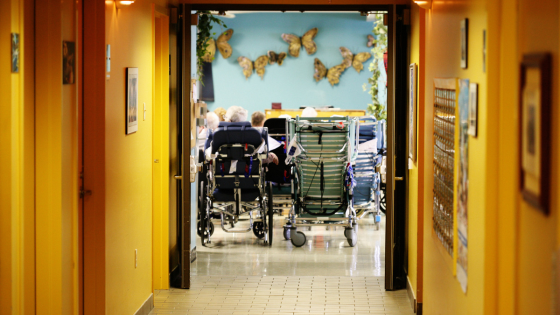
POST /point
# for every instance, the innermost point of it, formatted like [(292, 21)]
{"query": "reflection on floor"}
[(326, 253), (238, 274)]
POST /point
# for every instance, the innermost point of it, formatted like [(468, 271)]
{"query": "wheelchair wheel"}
[(200, 229), (270, 214), (383, 201), (206, 225), (348, 232), (351, 236), (286, 233), (258, 229), (298, 239)]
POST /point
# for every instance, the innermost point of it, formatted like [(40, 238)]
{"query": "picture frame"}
[(473, 110), (484, 51), (413, 73), (68, 62), (131, 100), (464, 43), (15, 53), (534, 129)]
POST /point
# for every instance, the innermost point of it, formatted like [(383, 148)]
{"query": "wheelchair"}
[(235, 182), (322, 151), (279, 175), (367, 193)]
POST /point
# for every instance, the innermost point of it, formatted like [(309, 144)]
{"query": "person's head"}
[(220, 112), (235, 114), (309, 112), (212, 120), (257, 119)]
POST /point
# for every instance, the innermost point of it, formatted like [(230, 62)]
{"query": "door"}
[(395, 251), (181, 162), (175, 190)]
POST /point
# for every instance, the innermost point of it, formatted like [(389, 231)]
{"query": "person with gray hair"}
[(309, 112), (212, 122), (236, 114)]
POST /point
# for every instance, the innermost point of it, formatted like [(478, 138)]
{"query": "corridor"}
[(103, 103)]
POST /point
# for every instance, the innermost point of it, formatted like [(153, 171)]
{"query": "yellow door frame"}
[(160, 149)]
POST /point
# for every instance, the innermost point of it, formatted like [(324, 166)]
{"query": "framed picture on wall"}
[(15, 53), (535, 129), (131, 100), (473, 109), (68, 62), (412, 112), (464, 43)]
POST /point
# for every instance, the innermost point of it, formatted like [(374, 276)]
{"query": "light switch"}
[(108, 58)]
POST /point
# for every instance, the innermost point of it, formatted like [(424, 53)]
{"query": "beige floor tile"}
[(240, 276)]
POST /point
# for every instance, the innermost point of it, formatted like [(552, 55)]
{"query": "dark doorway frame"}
[(395, 276)]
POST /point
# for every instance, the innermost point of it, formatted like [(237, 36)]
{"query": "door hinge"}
[(86, 192), (406, 17)]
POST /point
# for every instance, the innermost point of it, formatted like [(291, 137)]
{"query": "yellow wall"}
[(56, 128), (37, 209), (413, 207), (522, 242), (441, 291), (128, 161), (538, 31), (38, 272), (10, 207)]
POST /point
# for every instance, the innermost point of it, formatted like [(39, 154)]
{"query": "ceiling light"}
[(120, 4), (424, 4)]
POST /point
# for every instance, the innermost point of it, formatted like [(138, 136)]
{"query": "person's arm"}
[(271, 158)]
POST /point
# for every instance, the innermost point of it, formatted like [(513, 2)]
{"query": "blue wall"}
[(292, 84)]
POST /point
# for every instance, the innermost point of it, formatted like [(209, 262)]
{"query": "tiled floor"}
[(282, 295), (326, 253), (238, 274)]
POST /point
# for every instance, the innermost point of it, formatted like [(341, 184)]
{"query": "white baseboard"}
[(411, 294), (147, 306)]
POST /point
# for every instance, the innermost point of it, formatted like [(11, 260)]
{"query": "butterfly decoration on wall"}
[(248, 65), (274, 57), (371, 41), (296, 42), (223, 46), (356, 61), (332, 74)]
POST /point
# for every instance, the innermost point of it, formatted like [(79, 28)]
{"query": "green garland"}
[(205, 19), (377, 109)]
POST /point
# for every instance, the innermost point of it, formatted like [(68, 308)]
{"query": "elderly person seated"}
[(235, 114), (220, 112), (212, 122), (257, 119), (309, 112)]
